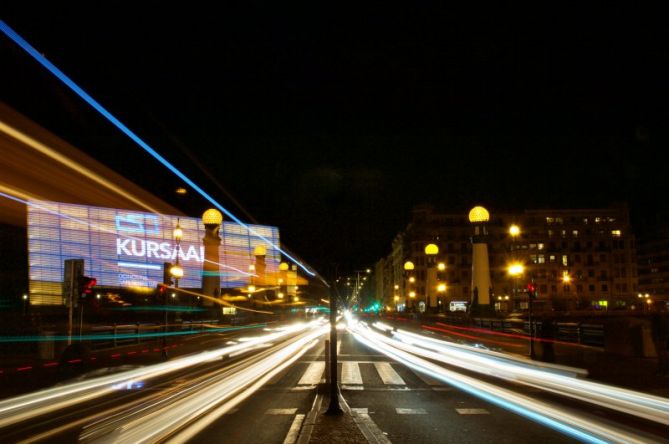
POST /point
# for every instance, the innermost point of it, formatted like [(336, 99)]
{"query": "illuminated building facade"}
[(653, 258), (127, 249), (595, 248)]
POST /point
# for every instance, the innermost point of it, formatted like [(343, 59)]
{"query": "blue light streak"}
[(9, 32), (541, 419), (105, 336)]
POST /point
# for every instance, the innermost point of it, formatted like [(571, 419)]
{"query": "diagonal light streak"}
[(9, 32)]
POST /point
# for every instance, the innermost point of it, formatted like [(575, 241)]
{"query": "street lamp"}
[(431, 251), (514, 232), (358, 284), (408, 268), (177, 273), (515, 270), (566, 280)]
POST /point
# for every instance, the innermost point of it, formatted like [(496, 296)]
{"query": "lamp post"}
[(25, 303), (211, 276), (481, 282), (514, 232), (515, 270), (431, 251), (409, 279), (176, 272), (359, 284)]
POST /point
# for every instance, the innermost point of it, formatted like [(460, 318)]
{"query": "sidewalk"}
[(348, 427)]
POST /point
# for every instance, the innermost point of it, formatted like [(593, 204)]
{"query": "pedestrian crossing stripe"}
[(314, 374), (472, 411), (405, 411), (351, 376), (350, 373)]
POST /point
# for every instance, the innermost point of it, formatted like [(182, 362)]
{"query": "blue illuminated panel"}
[(124, 248)]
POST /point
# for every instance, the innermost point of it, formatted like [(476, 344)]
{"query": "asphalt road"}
[(398, 404)]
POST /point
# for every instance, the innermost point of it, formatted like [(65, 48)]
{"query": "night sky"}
[(332, 124)]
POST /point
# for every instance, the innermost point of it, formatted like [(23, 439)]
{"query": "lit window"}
[(611, 219), (533, 246), (558, 220), (541, 259), (585, 221), (550, 233), (533, 258), (565, 261), (551, 258), (598, 220), (616, 233), (575, 233), (550, 220), (540, 246), (564, 233)]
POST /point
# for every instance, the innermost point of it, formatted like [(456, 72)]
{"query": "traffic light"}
[(85, 287), (532, 290), (167, 277)]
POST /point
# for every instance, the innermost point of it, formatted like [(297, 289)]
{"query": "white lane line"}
[(294, 430), (472, 411), (401, 411), (360, 410), (350, 373), (300, 388), (281, 411), (313, 374), (388, 374), (352, 387)]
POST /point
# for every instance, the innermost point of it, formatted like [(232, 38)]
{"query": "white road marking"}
[(294, 430), (350, 373), (352, 387), (281, 411), (401, 411), (301, 388), (360, 410), (472, 411), (388, 374), (313, 374)]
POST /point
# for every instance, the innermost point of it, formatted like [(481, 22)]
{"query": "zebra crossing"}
[(361, 375)]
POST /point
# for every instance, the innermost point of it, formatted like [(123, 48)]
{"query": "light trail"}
[(120, 336), (555, 418), (53, 154), (13, 35), (181, 418), (28, 406), (551, 379)]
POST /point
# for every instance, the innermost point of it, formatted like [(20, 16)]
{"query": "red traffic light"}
[(87, 284)]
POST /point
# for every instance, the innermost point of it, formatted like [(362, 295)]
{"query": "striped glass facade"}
[(124, 248)]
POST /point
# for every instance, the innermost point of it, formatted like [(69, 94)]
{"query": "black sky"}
[(332, 124)]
